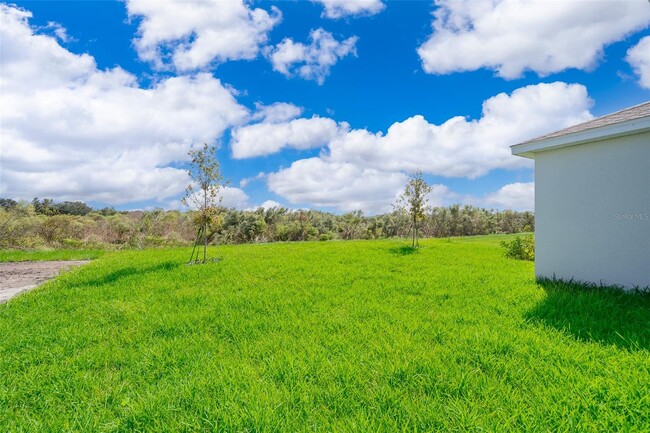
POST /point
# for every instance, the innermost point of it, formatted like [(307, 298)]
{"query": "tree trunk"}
[(205, 243), (205, 228), (415, 228), (195, 247)]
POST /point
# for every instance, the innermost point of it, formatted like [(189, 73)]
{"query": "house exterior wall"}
[(592, 212)]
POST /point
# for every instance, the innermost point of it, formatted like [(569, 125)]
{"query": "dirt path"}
[(18, 277)]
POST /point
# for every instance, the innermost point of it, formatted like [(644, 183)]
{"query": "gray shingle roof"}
[(637, 112)]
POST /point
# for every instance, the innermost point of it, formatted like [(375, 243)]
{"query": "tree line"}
[(46, 224)]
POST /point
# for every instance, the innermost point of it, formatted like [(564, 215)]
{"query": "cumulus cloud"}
[(277, 112), (234, 197), (340, 185), (516, 196), (195, 33), (347, 187), (467, 148), (359, 169), (441, 195), (343, 8), (639, 58), (79, 133), (511, 36), (270, 204), (247, 180), (228, 196), (265, 138), (313, 61)]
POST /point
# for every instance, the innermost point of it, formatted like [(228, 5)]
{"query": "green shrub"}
[(521, 248), (153, 241), (72, 243), (94, 242)]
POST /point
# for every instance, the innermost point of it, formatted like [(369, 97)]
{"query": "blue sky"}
[(327, 104)]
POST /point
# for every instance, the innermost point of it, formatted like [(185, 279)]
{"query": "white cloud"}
[(467, 148), (516, 196), (441, 195), (229, 197), (234, 197), (313, 61), (265, 138), (270, 204), (195, 34), (359, 169), (511, 36), (639, 58), (247, 180), (79, 133), (21, 49), (276, 113), (347, 187), (343, 8), (342, 186), (57, 30)]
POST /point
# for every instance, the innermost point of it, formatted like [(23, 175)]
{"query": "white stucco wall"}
[(592, 212)]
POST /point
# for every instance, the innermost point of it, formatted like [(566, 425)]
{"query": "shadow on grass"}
[(600, 314), (405, 250), (127, 272)]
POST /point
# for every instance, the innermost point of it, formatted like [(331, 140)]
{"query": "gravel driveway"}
[(18, 277)]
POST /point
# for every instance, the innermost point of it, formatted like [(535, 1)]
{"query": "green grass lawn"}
[(41, 255), (333, 336)]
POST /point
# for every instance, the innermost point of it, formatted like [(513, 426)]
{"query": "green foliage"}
[(521, 248), (22, 227), (202, 194), (73, 208), (72, 243), (44, 207), (414, 201), (8, 204), (107, 211), (48, 207), (322, 336), (414, 198)]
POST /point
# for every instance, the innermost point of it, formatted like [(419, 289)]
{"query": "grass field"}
[(333, 336), (41, 255)]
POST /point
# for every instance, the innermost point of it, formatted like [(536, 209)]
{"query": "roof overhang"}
[(530, 148)]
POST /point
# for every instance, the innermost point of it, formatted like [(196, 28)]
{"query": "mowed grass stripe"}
[(332, 336)]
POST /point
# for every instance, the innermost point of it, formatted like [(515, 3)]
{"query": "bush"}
[(520, 248), (72, 243)]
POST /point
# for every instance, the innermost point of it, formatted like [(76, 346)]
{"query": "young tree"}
[(202, 194), (414, 201)]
